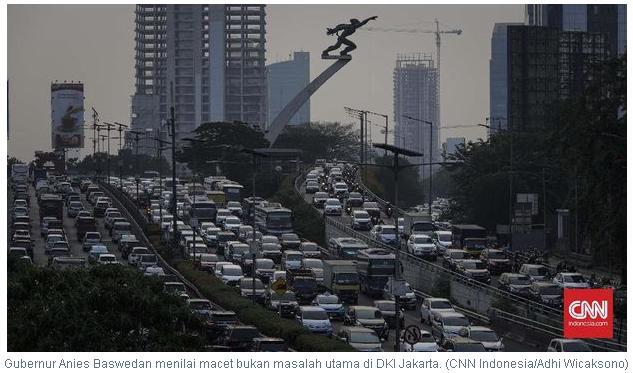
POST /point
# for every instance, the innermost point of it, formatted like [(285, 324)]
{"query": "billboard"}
[(67, 106)]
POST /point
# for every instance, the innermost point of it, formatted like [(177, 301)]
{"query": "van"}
[(536, 272), (447, 324), (291, 259), (68, 263)]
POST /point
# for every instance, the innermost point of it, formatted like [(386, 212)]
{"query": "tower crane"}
[(438, 43)]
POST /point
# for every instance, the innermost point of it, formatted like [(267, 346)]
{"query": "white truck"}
[(341, 278), (418, 223)]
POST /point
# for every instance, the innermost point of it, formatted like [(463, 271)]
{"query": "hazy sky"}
[(94, 44)]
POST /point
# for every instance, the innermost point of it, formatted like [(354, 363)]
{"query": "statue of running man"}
[(347, 30)]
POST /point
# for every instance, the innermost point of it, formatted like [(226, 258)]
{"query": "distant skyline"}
[(95, 44)]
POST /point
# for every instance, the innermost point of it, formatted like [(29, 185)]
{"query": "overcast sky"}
[(94, 44)]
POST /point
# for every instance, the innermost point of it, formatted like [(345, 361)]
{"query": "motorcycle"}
[(348, 210), (389, 211)]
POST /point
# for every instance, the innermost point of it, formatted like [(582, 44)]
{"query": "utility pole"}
[(120, 160), (108, 128), (137, 175), (430, 158), (174, 205), (95, 120)]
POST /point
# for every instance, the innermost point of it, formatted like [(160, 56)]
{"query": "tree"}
[(327, 140), (380, 181), (103, 308)]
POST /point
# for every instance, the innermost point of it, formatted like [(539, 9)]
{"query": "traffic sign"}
[(279, 286), (412, 334)]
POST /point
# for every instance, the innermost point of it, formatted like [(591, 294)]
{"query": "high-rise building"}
[(285, 80), (499, 77), (606, 19), (209, 58), (415, 94), (450, 146)]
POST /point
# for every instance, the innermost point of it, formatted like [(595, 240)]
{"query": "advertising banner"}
[(67, 113)]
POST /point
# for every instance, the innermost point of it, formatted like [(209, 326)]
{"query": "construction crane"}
[(438, 42)]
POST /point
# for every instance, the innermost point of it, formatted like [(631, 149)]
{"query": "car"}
[(447, 324), (474, 269), (82, 214), (431, 306), (200, 306), (285, 304), (206, 262), (426, 343), (452, 257), (384, 233), (310, 250), (331, 304), (210, 236), (154, 271), (443, 240), (361, 220), (20, 211), (461, 344), (107, 259), (119, 229), (422, 246), (18, 252), (514, 283), (388, 310), (99, 209), (319, 198), (291, 259), (354, 199), (21, 234), (235, 208), (278, 275), (269, 239), (496, 260), (217, 272), (315, 265), (360, 338), (536, 272), (239, 337), (570, 280), (89, 239), (488, 337), (221, 215), (264, 269), (315, 319), (340, 190), (45, 222), (266, 344), (135, 254), (372, 209), (408, 300), (568, 345), (20, 203), (109, 217), (271, 251), (290, 241), (236, 251), (312, 187), (146, 260), (332, 206), (231, 274), (246, 289), (245, 232), (95, 251), (368, 317), (175, 288), (73, 208), (126, 243), (231, 223), (547, 293)]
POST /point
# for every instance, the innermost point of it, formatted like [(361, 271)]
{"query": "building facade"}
[(499, 77), (415, 94), (285, 80), (208, 61)]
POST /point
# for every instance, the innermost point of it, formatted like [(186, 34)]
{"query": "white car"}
[(384, 233), (217, 272), (221, 215), (107, 259), (316, 266), (568, 345), (571, 280), (231, 274), (422, 246), (91, 238), (154, 271), (486, 336), (361, 220), (146, 260), (231, 223), (234, 207), (315, 319), (426, 344), (430, 306), (332, 206), (443, 240)]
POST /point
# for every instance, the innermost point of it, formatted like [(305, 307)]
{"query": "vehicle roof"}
[(479, 328), (312, 308), (358, 329), (363, 307), (451, 314)]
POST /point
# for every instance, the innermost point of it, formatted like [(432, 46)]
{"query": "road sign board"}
[(412, 334), (279, 286)]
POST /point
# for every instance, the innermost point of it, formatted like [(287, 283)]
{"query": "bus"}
[(231, 189), (375, 267), (273, 219), (199, 210)]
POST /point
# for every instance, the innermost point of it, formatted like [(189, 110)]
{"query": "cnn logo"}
[(588, 313), (582, 309)]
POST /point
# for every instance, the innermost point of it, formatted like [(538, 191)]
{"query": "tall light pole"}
[(398, 275), (109, 126), (120, 161), (159, 148), (430, 158), (136, 170)]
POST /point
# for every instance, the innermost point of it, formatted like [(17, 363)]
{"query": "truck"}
[(51, 205), (340, 278), (19, 172), (469, 237), (303, 283), (374, 268), (417, 223), (39, 174)]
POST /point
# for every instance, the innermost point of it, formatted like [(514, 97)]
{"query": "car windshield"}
[(361, 215), (574, 278), (91, 236), (265, 264), (364, 337), (140, 251), (538, 271), (473, 265), (420, 240), (315, 315), (309, 247), (208, 258), (457, 255), (484, 335), (388, 230), (369, 313), (294, 257), (232, 271), (287, 296), (386, 306), (320, 195), (456, 321), (551, 290), (150, 258), (247, 283), (347, 278), (107, 258), (313, 263), (328, 299), (290, 237), (576, 347), (200, 305), (520, 280), (444, 237), (270, 247), (333, 202)]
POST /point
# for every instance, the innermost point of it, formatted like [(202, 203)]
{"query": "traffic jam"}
[(339, 291)]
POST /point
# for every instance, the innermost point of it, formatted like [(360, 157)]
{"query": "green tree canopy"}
[(321, 140)]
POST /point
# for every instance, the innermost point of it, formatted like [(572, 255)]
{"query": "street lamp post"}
[(398, 275), (121, 126), (137, 178), (109, 126), (430, 158)]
